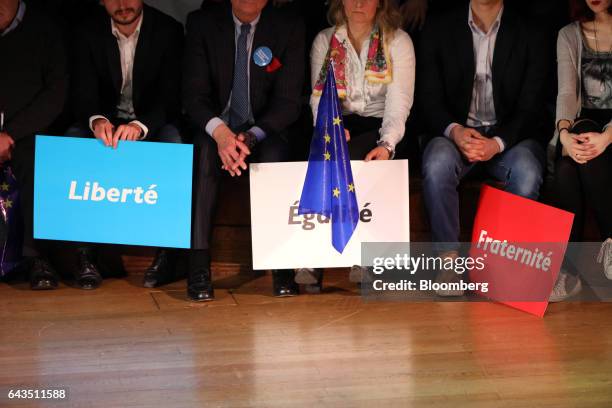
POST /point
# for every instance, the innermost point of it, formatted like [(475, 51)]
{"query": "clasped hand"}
[(232, 150), (584, 147), (473, 145)]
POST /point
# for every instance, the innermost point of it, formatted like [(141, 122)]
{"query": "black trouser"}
[(576, 185), (207, 172), (365, 132)]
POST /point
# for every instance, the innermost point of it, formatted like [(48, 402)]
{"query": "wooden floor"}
[(125, 346)]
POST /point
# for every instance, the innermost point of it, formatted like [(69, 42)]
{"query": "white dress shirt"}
[(482, 107), (127, 52), (391, 102)]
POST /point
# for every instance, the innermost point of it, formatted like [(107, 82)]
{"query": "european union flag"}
[(329, 188)]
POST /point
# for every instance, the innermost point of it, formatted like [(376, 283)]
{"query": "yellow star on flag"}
[(337, 121), (4, 186), (327, 138), (327, 156), (8, 203), (336, 192), (351, 188)]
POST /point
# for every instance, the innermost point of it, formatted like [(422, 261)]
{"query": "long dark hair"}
[(580, 11)]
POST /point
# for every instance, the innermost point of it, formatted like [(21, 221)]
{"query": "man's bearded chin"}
[(134, 13)]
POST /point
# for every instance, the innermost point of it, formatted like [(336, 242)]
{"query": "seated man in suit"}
[(126, 86), (33, 84), (482, 95), (243, 77)]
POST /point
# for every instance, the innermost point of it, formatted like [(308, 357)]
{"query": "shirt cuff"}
[(449, 129), (145, 130), (500, 142), (94, 118), (258, 132), (391, 140), (213, 124)]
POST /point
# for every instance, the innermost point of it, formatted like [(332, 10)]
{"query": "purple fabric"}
[(11, 230)]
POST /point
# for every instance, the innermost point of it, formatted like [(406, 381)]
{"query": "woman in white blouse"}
[(375, 66)]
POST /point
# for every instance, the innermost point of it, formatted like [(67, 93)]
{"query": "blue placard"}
[(138, 194)]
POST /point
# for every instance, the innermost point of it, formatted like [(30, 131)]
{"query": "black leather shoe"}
[(199, 285), (284, 284), (87, 275), (160, 272), (42, 275)]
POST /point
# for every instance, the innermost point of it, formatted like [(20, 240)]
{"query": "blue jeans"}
[(520, 168), (166, 134)]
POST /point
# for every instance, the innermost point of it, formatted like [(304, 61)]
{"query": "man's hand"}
[(129, 131), (378, 153), (469, 141), (103, 130), (227, 145), (473, 145), (488, 149), (347, 135), (6, 145)]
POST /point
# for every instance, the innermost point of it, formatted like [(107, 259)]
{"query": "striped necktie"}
[(239, 105)]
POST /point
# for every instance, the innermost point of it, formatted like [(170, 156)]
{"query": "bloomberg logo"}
[(95, 192)]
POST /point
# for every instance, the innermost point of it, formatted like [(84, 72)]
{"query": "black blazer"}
[(33, 77), (446, 70), (209, 67), (156, 72)]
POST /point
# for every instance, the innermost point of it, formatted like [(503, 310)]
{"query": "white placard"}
[(282, 239)]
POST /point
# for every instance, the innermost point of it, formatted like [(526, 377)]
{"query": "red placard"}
[(523, 243)]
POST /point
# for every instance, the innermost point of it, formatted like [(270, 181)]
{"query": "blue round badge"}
[(262, 56)]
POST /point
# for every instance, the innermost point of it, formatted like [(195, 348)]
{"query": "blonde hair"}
[(388, 17)]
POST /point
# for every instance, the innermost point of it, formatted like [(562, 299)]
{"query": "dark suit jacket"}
[(33, 77), (446, 70), (209, 67), (156, 73)]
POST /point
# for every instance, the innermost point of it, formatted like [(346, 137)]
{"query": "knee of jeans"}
[(526, 176), (440, 161)]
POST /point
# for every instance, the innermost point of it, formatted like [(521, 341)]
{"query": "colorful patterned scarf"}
[(378, 68)]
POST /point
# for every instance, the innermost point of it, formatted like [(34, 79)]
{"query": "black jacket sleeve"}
[(49, 102), (197, 87), (430, 89), (530, 109), (85, 92), (166, 107)]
